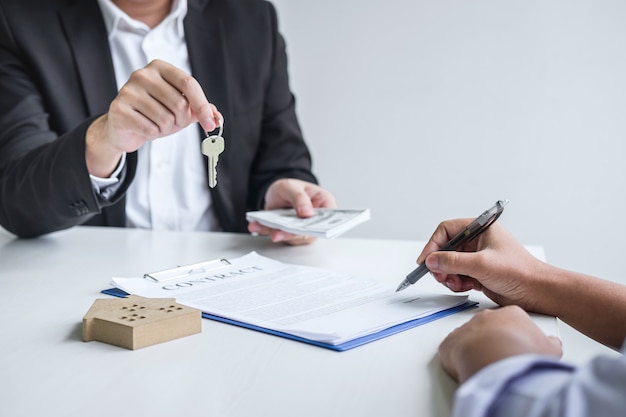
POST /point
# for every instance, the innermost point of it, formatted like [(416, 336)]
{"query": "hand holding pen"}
[(470, 232)]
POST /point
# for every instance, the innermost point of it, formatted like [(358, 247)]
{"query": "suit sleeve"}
[(282, 152), (44, 182)]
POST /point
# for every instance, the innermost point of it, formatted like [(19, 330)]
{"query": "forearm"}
[(593, 306)]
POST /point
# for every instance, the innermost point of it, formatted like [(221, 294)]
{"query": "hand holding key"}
[(156, 101), (212, 147)]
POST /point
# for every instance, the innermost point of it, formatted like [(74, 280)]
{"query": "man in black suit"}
[(64, 122)]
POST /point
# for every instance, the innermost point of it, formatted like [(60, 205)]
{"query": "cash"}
[(325, 223)]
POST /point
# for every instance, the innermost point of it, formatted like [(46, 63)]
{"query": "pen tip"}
[(402, 286)]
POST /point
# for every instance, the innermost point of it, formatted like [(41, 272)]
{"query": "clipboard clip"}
[(186, 270)]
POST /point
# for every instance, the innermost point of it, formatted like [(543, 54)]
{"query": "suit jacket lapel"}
[(204, 34), (88, 39)]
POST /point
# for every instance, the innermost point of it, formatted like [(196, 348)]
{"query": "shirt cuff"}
[(480, 395), (106, 187)]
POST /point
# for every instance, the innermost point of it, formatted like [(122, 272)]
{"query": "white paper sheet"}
[(316, 304)]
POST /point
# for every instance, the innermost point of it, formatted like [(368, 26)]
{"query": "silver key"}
[(212, 147)]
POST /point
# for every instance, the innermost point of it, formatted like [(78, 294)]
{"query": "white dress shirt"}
[(534, 386), (170, 189)]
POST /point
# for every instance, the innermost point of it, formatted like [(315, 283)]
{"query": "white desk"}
[(49, 283)]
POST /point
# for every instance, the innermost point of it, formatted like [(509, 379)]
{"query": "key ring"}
[(221, 129)]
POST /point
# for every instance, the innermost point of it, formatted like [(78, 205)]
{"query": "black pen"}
[(475, 228)]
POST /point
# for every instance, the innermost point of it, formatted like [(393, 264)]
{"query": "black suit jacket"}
[(56, 77)]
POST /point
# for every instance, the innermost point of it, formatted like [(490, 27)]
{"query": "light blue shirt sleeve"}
[(539, 386)]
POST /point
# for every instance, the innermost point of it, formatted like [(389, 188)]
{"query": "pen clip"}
[(492, 215), (186, 270)]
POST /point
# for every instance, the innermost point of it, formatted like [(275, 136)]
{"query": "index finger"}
[(206, 113)]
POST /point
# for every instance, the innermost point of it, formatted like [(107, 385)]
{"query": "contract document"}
[(310, 304)]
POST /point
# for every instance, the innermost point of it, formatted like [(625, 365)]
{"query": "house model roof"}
[(135, 322)]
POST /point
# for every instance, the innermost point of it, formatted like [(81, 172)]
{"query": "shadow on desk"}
[(76, 335), (443, 388)]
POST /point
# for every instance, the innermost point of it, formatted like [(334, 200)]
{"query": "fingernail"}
[(278, 237)]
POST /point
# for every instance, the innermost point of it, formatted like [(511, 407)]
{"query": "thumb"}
[(303, 205), (457, 263)]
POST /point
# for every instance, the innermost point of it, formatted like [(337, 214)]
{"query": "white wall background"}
[(428, 110)]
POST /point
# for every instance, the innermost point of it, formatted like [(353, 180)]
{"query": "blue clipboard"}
[(343, 346)]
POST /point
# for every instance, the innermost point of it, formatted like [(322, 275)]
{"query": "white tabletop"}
[(49, 283)]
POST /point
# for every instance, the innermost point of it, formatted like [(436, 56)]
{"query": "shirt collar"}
[(114, 16)]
